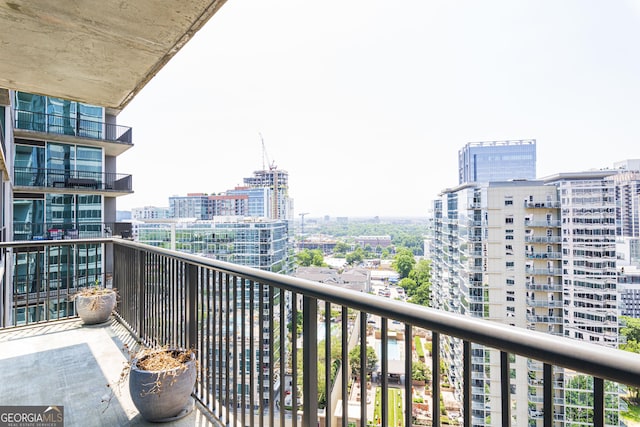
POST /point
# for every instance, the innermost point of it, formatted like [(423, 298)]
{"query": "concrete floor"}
[(68, 364)]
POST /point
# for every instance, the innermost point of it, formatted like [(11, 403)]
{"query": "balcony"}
[(170, 298), (72, 181), (65, 230), (542, 205), (69, 126)]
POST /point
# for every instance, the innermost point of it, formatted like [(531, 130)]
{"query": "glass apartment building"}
[(65, 186), (497, 161)]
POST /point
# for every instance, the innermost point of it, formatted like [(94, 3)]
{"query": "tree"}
[(354, 360), (306, 258), (355, 257), (403, 262), (420, 371), (340, 247), (631, 331)]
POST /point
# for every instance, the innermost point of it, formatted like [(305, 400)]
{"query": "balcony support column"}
[(309, 361), (191, 324)]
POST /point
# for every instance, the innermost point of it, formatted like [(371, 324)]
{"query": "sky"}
[(366, 102)]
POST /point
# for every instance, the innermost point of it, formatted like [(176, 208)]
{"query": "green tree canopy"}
[(354, 359), (403, 262), (310, 257)]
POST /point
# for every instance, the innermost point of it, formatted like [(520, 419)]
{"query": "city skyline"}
[(367, 109)]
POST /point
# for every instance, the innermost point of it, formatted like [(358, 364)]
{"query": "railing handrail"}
[(602, 362), (112, 132), (114, 176)]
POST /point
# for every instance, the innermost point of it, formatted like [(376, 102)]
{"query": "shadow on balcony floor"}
[(68, 364)]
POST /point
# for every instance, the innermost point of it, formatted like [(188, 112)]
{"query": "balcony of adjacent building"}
[(52, 180), (69, 230), (113, 138), (172, 298)]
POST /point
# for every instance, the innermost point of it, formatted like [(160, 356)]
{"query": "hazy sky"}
[(366, 103)]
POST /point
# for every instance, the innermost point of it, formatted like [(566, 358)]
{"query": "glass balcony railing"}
[(72, 179), (72, 126), (278, 350)]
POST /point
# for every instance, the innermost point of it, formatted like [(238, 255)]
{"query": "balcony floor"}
[(68, 364)]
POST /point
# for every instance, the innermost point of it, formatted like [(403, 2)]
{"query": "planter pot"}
[(97, 308), (163, 395)]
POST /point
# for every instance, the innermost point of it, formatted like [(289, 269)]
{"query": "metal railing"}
[(69, 230), (68, 125), (262, 358), (72, 179)]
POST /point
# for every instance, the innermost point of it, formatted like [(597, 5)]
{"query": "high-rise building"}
[(535, 254), (497, 161), (149, 212), (65, 185), (277, 181), (195, 206)]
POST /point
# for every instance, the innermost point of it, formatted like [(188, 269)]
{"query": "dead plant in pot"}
[(95, 304), (161, 381)]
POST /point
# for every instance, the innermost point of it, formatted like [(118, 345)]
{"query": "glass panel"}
[(61, 116), (89, 215), (60, 214), (91, 118), (28, 218), (88, 159), (31, 110), (29, 166), (61, 158)]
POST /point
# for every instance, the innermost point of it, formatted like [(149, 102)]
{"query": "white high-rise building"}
[(539, 255)]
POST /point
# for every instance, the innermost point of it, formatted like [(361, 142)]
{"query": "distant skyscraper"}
[(497, 161)]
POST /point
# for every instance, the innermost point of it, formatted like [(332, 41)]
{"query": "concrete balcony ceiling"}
[(101, 52)]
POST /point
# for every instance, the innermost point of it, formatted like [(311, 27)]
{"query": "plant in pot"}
[(161, 382), (94, 304)]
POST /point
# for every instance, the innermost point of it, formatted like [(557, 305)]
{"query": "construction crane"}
[(302, 223), (272, 165)]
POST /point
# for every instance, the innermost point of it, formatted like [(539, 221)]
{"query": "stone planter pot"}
[(163, 396), (95, 308)]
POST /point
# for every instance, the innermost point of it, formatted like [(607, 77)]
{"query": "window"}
[(508, 220), (510, 264)]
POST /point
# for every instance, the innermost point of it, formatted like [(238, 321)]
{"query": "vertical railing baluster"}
[(294, 358), (309, 361), (191, 325), (253, 357), (598, 402), (547, 380), (235, 311), (466, 383), (271, 298), (435, 382), (327, 363), (384, 356), (363, 367), (243, 356), (261, 319), (227, 343), (141, 296), (408, 370), (505, 388), (283, 353), (345, 366), (220, 349)]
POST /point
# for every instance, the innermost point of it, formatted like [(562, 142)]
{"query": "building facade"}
[(62, 163), (497, 161), (539, 255)]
